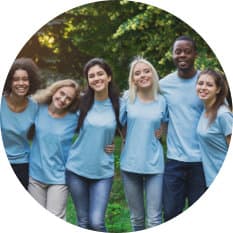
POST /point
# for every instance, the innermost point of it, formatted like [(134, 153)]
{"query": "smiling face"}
[(184, 56), (20, 83), (63, 98), (206, 88), (98, 79), (142, 76)]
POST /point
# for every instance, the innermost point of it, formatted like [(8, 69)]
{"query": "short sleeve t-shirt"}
[(184, 110), (143, 152), (15, 126), (212, 139)]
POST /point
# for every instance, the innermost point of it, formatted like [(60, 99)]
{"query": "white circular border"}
[(19, 20)]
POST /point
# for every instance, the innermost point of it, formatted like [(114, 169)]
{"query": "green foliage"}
[(116, 31)]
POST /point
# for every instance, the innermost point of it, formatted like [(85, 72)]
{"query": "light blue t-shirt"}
[(87, 157), (184, 110), (143, 152), (15, 126), (50, 146), (212, 139)]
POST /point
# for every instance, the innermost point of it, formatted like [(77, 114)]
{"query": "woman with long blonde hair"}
[(142, 162)]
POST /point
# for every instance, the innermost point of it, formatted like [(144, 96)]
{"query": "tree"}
[(116, 31)]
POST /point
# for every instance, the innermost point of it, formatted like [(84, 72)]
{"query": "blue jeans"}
[(22, 172), (181, 180), (90, 199), (135, 185)]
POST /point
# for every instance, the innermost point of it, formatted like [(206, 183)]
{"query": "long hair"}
[(87, 99), (44, 96), (32, 70), (221, 83), (133, 87)]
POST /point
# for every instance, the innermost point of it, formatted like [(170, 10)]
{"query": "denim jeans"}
[(22, 172), (181, 180), (90, 197), (135, 186)]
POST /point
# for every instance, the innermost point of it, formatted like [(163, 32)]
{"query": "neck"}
[(17, 103), (186, 74), (56, 113), (100, 96), (17, 100), (208, 105), (145, 95)]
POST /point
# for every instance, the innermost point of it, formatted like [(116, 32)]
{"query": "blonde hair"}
[(44, 96), (133, 88)]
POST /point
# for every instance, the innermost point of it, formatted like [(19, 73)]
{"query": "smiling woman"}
[(129, 28), (57, 106), (18, 113), (215, 124), (90, 170)]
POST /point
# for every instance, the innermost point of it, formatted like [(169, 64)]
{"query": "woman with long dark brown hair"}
[(215, 124), (90, 169)]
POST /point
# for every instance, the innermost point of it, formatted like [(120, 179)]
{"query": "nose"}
[(142, 75), (96, 78), (182, 54), (63, 98), (21, 82), (203, 86)]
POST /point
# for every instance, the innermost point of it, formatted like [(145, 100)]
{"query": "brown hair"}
[(31, 68), (221, 83)]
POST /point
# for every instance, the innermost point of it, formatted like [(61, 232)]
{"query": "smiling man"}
[(183, 177)]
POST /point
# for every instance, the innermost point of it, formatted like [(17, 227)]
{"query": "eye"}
[(100, 73), (210, 84), (25, 78), (177, 51), (200, 83), (91, 75), (69, 98), (62, 93), (146, 71), (188, 51)]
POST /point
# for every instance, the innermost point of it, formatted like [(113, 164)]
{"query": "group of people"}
[(60, 142)]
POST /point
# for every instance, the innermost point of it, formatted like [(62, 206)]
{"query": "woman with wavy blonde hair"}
[(55, 126)]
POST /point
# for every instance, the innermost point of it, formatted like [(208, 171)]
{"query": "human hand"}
[(109, 149)]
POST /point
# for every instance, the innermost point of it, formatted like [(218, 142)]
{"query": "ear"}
[(196, 54), (218, 90), (109, 78)]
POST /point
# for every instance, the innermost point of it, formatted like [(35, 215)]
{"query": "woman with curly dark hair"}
[(18, 113)]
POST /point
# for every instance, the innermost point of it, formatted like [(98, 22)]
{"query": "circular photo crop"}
[(116, 116)]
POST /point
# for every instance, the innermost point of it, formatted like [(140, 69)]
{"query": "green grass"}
[(117, 215)]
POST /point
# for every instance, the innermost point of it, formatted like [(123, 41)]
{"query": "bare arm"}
[(161, 131), (228, 139)]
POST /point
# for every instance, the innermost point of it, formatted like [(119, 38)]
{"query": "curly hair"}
[(32, 70)]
